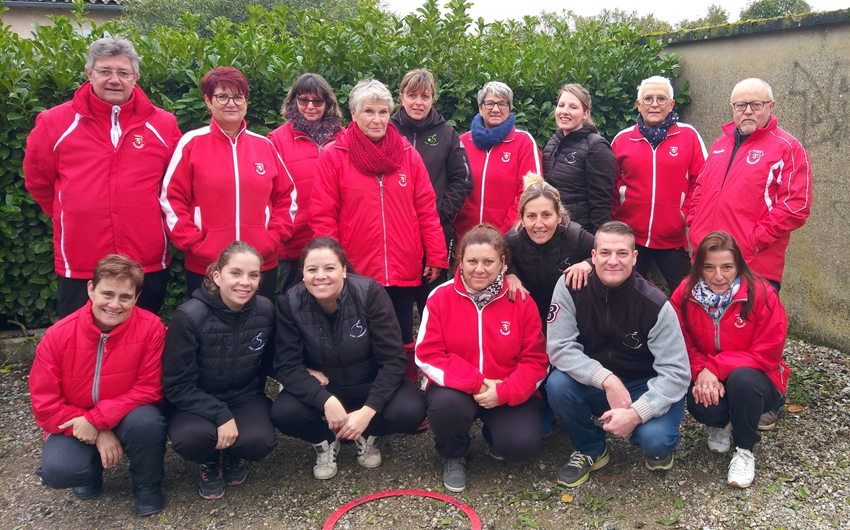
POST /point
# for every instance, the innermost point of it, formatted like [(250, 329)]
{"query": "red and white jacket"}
[(497, 181), (82, 371), (96, 169), (759, 198), (459, 345), (654, 186), (300, 154), (382, 223), (756, 342), (220, 189)]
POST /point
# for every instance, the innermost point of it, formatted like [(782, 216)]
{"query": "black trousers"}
[(72, 293), (749, 394), (403, 413), (268, 283), (67, 462), (290, 274), (512, 432), (194, 438), (402, 299), (674, 263)]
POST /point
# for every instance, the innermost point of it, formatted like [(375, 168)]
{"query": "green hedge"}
[(39, 73)]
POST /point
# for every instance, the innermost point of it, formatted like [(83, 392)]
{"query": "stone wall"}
[(807, 62)]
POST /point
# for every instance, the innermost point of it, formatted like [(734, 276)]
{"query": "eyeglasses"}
[(741, 106), (318, 102), (661, 100), (123, 75), (224, 99), (490, 104)]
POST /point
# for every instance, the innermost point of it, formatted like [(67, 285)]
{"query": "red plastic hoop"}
[(470, 513)]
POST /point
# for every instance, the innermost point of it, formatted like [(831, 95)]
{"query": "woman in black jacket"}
[(218, 413), (579, 162), (339, 355), (445, 158)]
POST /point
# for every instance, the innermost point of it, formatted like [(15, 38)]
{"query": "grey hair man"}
[(95, 165), (657, 163)]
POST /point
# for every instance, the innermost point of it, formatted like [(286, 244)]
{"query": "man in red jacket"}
[(756, 184), (95, 165), (95, 386), (657, 163)]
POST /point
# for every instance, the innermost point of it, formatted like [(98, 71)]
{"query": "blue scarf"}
[(484, 138), (714, 304), (656, 135)]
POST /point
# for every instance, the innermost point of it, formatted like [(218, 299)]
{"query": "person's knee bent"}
[(59, 470), (656, 438), (143, 425), (561, 388)]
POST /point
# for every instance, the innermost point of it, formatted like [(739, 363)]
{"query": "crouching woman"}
[(218, 413), (340, 356)]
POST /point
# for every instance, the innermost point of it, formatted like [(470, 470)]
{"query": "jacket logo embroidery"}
[(632, 341), (754, 156), (564, 265), (505, 328), (138, 141), (674, 151), (356, 330), (257, 343), (739, 322), (431, 140), (553, 313), (571, 158), (402, 180), (261, 168), (506, 157)]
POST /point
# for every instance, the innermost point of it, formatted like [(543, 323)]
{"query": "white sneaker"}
[(719, 439), (742, 469), (368, 454), (325, 467)]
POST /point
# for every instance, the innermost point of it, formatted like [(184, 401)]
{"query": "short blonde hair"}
[(369, 90)]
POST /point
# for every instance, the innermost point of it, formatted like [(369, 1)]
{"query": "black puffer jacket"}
[(539, 267), (362, 356), (581, 166), (214, 356), (446, 161)]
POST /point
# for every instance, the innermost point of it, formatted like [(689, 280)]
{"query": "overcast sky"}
[(670, 10)]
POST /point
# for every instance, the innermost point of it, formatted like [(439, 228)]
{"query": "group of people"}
[(548, 314)]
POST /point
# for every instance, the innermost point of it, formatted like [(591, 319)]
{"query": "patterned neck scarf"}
[(487, 294), (375, 158), (319, 132), (656, 135), (484, 138), (714, 304)]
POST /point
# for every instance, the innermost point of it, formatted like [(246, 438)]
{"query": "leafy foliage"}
[(716, 16), (757, 9), (272, 48)]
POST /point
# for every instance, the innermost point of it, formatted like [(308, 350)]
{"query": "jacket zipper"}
[(95, 387), (115, 131), (236, 181), (235, 346), (480, 328), (384, 226), (483, 185), (716, 323)]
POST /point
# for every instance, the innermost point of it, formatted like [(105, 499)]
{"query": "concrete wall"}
[(807, 62)]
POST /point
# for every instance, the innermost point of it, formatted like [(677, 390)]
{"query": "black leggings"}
[(749, 394), (511, 432), (194, 438), (402, 299), (404, 412)]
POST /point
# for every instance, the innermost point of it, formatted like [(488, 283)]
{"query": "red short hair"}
[(224, 77)]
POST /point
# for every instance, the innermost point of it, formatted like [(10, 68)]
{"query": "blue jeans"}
[(575, 403)]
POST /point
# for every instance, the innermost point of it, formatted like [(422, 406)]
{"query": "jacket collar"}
[(136, 110), (636, 136), (770, 126), (219, 133), (620, 292), (85, 321)]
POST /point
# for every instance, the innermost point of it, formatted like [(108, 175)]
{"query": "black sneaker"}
[(211, 485), (660, 463), (235, 469), (148, 499), (578, 469), (90, 490)]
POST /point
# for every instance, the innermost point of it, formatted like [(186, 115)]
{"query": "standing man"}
[(95, 166), (96, 389), (657, 163), (618, 354), (756, 184)]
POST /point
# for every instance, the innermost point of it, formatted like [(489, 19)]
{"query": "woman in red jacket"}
[(373, 195), (312, 120), (225, 183), (491, 372), (735, 329)]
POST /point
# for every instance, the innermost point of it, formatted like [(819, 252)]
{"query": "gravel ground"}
[(801, 478)]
